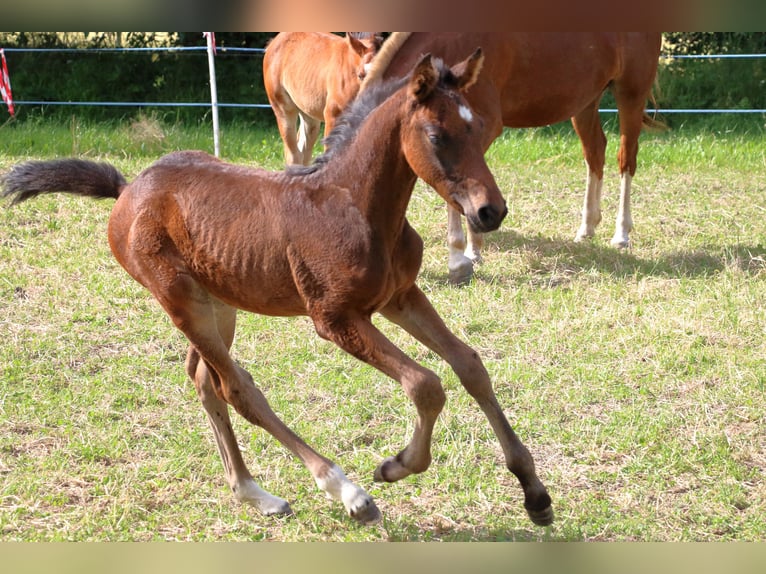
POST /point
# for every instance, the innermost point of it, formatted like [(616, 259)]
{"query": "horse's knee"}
[(247, 399), (426, 392)]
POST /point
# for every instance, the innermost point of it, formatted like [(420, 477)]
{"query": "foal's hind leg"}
[(239, 478), (412, 311), (194, 312)]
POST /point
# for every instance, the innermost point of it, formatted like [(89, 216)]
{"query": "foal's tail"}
[(75, 176)]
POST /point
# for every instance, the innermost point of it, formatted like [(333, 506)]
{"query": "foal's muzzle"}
[(487, 218)]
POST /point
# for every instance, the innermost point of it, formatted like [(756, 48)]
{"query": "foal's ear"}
[(356, 44), (424, 79), (467, 71)]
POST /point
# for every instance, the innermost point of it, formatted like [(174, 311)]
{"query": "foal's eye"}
[(435, 137)]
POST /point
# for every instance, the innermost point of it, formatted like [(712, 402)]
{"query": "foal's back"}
[(231, 228)]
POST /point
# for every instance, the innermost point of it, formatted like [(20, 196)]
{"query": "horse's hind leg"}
[(194, 312), (286, 115), (308, 133), (239, 478), (413, 312), (587, 124)]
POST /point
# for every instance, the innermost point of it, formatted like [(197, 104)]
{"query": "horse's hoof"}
[(620, 242), (279, 510), (367, 514), (542, 517), (462, 273), (390, 470)]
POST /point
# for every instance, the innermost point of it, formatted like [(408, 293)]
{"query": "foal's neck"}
[(375, 168)]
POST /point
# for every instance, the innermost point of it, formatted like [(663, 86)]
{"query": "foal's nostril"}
[(490, 217)]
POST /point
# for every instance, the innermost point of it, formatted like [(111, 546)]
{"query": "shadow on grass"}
[(551, 261)]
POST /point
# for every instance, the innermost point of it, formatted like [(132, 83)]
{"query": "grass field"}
[(637, 379)]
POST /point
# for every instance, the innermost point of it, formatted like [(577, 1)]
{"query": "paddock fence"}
[(222, 52)]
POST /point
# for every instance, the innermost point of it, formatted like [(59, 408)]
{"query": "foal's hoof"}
[(367, 514), (278, 510), (390, 470), (542, 517)]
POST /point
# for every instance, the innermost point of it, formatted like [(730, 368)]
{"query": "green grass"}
[(636, 378)]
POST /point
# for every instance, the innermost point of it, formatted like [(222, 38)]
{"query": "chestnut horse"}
[(537, 79), (310, 77), (207, 238)]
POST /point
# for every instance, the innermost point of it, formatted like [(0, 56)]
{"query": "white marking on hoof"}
[(621, 241), (266, 503), (584, 233), (358, 503), (474, 255)]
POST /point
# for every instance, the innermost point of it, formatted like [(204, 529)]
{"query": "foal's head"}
[(442, 140), (365, 45)]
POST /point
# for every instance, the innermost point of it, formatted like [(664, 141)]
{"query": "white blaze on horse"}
[(184, 230), (537, 79), (310, 78)]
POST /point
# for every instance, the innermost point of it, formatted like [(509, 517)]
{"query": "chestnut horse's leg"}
[(193, 311), (413, 312), (308, 133), (631, 113), (587, 124), (287, 123), (460, 263)]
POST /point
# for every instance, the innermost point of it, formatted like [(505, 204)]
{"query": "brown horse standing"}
[(537, 79), (310, 77), (207, 238)]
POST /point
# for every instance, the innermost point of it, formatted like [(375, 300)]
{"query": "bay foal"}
[(207, 238)]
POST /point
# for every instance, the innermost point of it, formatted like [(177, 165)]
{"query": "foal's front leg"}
[(413, 312), (360, 338)]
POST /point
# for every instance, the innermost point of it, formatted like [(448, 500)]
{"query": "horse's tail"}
[(383, 58), (650, 122), (75, 176)]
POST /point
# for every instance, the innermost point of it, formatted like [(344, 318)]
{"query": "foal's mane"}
[(356, 113)]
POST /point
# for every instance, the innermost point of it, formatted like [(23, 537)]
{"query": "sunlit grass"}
[(636, 378)]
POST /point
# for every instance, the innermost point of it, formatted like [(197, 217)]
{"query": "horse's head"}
[(442, 140), (365, 46)]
